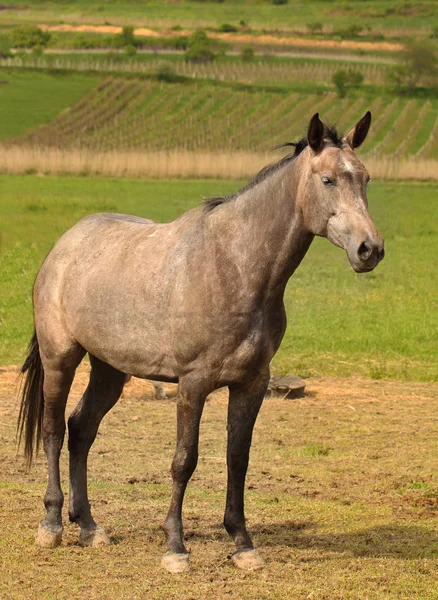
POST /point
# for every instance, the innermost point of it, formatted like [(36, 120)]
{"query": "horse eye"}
[(326, 180)]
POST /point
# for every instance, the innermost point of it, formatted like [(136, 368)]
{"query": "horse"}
[(198, 302)]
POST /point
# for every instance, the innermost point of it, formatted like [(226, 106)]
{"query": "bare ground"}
[(342, 499)]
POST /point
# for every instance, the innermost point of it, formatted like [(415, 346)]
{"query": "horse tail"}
[(30, 419)]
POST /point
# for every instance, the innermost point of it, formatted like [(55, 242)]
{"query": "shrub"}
[(128, 36), (166, 73), (277, 2), (5, 45), (130, 50), (180, 42), (315, 27), (353, 31), (199, 48), (227, 28), (247, 54), (29, 36), (345, 80)]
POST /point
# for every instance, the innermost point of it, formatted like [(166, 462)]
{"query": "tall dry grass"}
[(179, 164)]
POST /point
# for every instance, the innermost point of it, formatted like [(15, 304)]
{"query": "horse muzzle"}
[(368, 255)]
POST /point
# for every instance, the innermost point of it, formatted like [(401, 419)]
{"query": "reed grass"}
[(180, 164)]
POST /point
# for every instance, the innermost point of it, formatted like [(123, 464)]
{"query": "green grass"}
[(31, 99), (136, 114), (381, 324), (258, 13)]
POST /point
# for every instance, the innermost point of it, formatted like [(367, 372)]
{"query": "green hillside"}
[(124, 114)]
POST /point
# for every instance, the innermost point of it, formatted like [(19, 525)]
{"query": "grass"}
[(379, 15), (381, 325), (120, 114), (350, 524), (31, 99)]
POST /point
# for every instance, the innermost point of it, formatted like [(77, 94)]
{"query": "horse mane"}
[(331, 135)]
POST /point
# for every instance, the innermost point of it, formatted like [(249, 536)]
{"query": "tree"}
[(199, 48), (345, 80), (418, 63), (29, 36)]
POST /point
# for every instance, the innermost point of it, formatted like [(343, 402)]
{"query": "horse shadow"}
[(406, 542)]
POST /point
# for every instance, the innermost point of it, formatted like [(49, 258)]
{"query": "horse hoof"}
[(248, 560), (93, 537), (175, 563), (48, 538)]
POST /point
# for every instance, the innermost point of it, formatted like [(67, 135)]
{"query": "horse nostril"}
[(364, 251), (381, 254)]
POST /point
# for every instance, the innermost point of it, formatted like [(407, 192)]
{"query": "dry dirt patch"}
[(340, 498)]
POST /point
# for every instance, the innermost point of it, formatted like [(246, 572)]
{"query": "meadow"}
[(378, 15), (380, 325)]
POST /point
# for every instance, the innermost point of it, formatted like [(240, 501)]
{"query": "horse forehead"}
[(339, 160)]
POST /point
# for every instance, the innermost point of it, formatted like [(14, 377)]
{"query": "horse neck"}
[(264, 229)]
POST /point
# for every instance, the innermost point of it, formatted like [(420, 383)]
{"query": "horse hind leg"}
[(104, 389), (58, 377)]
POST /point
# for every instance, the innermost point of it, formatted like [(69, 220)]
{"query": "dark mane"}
[(331, 136)]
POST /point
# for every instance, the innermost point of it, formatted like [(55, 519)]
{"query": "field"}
[(381, 324), (342, 500), (30, 99), (379, 15), (121, 114), (342, 494), (199, 128)]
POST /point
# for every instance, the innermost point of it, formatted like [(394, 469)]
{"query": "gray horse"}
[(198, 301)]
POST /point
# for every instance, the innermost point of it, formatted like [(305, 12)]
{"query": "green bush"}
[(227, 28), (277, 2), (315, 27), (345, 80), (353, 31), (5, 45), (130, 50), (166, 73), (29, 36), (247, 54), (199, 48)]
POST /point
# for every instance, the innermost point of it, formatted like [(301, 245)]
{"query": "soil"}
[(342, 492)]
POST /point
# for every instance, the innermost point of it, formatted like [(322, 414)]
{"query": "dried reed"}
[(179, 164)]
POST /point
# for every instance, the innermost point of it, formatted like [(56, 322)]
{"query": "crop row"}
[(263, 70), (121, 114)]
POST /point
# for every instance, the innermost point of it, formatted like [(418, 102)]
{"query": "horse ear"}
[(357, 135), (315, 133)]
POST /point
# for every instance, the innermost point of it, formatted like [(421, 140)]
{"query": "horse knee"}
[(184, 464)]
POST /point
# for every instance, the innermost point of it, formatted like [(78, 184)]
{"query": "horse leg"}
[(103, 391), (191, 400), (159, 391), (57, 382), (244, 405)]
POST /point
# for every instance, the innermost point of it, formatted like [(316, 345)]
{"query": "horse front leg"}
[(190, 403), (244, 405)]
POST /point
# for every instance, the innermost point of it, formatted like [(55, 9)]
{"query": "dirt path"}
[(240, 37)]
